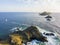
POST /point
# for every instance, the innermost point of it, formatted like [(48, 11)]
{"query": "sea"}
[(11, 20)]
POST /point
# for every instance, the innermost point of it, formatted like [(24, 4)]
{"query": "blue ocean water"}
[(9, 20)]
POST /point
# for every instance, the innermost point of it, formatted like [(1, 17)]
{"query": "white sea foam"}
[(51, 40)]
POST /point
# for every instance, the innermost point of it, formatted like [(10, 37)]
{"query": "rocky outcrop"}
[(27, 35), (33, 33)]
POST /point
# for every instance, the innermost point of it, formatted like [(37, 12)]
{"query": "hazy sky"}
[(30, 5)]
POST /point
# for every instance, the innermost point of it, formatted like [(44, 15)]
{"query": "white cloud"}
[(34, 6)]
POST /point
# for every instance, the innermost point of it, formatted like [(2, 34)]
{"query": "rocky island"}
[(27, 35)]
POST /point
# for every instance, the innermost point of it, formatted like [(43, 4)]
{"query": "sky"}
[(29, 5)]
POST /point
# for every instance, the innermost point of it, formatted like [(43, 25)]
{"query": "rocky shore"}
[(27, 35)]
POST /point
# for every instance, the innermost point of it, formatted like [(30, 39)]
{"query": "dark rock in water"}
[(48, 16), (49, 34), (45, 13), (48, 19)]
